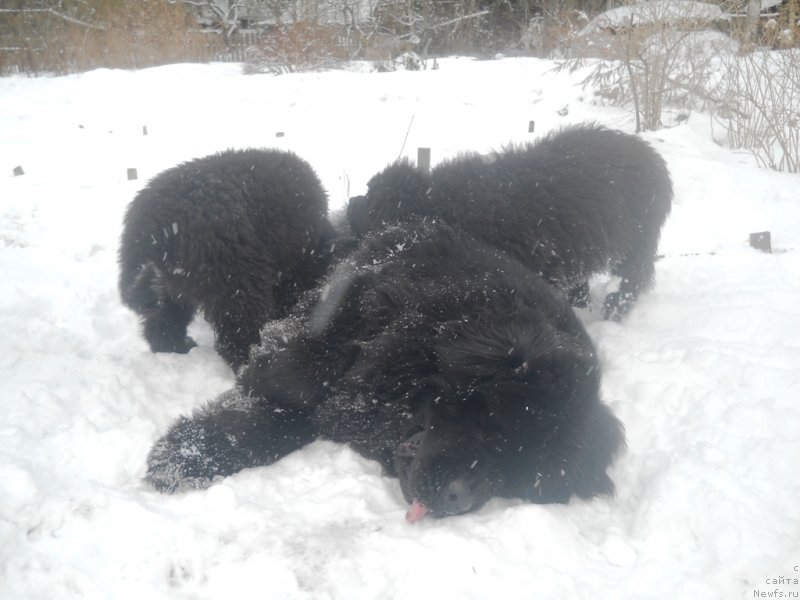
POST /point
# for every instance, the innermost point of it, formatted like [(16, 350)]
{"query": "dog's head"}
[(396, 194)]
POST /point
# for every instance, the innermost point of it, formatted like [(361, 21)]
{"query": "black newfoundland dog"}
[(451, 363), (238, 235), (581, 201)]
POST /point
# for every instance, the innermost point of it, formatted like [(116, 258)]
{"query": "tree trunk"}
[(751, 21)]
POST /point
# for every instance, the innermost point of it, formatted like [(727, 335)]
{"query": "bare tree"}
[(751, 21)]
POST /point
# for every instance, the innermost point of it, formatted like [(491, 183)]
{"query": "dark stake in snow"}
[(424, 159), (581, 201), (761, 241), (445, 359)]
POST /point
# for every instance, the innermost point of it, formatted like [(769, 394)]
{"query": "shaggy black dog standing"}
[(583, 200), (449, 362), (238, 235)]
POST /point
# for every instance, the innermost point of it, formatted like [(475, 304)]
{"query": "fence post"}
[(424, 159), (761, 240)]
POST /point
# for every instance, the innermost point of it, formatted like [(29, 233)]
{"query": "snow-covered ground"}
[(705, 373)]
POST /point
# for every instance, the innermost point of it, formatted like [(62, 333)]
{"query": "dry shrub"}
[(299, 47), (760, 106), (547, 36), (382, 47), (782, 31), (145, 33)]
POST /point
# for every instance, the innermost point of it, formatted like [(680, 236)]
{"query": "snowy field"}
[(705, 372)]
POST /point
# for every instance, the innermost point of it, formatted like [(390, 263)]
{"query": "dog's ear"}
[(357, 213), (508, 355), (483, 345), (472, 347)]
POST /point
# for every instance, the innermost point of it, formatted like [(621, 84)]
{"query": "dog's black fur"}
[(238, 235), (449, 362), (581, 201)]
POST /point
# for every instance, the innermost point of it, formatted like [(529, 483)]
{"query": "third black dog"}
[(581, 201), (238, 235)]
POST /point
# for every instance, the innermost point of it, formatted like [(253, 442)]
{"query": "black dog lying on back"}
[(581, 201), (429, 350)]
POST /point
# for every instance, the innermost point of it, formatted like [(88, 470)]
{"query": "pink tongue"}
[(416, 512)]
